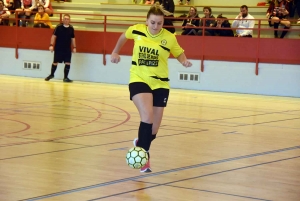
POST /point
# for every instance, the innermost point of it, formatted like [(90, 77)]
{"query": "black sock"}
[(145, 136), (53, 69), (284, 32), (276, 25), (66, 71)]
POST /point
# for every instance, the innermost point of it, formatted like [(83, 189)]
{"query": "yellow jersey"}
[(150, 55)]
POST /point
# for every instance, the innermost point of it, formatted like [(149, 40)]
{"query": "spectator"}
[(169, 6), (207, 21), (277, 14), (293, 6), (47, 5), (27, 6), (191, 24), (9, 4), (186, 3), (221, 23), (4, 14), (41, 19), (244, 20)]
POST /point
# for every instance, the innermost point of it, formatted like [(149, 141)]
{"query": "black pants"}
[(294, 5), (41, 25)]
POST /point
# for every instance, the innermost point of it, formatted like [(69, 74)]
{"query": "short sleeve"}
[(128, 33), (176, 50), (73, 33), (56, 30)]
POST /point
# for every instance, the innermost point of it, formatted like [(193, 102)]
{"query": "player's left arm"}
[(183, 60), (74, 45), (178, 53)]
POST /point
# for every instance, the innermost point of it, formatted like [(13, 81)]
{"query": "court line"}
[(206, 175), (166, 172), (267, 122), (208, 191), (91, 146)]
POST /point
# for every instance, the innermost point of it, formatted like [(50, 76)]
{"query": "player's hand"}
[(115, 58), (187, 64), (51, 48), (240, 15), (267, 15)]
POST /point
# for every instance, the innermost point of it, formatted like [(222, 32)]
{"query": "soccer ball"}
[(136, 157)]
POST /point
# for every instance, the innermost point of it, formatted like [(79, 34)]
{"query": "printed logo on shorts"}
[(164, 42), (165, 100)]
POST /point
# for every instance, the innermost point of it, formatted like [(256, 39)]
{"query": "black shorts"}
[(160, 96), (60, 57)]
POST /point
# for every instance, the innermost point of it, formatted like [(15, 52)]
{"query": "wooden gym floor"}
[(68, 142)]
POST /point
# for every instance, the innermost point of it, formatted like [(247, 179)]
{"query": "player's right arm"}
[(52, 41), (115, 57)]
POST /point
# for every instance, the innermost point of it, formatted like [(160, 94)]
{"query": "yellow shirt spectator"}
[(41, 18)]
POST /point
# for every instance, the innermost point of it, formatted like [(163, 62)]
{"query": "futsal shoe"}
[(135, 141), (146, 168), (67, 80), (49, 77)]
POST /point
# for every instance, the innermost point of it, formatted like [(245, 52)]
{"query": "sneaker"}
[(67, 80), (49, 77), (135, 141), (146, 168)]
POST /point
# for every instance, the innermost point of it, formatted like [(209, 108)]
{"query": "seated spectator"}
[(4, 15), (27, 6), (41, 19), (207, 21), (277, 14), (170, 7), (191, 24), (47, 5), (220, 23), (293, 6), (9, 4), (186, 3), (244, 20)]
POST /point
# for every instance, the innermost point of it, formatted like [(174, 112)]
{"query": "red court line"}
[(76, 135), (27, 126)]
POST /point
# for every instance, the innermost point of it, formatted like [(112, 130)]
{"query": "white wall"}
[(273, 79)]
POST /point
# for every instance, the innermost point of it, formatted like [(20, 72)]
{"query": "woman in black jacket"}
[(191, 24), (221, 23)]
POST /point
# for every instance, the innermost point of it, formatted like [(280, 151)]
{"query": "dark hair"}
[(208, 8), (225, 18), (157, 9), (244, 6), (41, 6)]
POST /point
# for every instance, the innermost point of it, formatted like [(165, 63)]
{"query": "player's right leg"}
[(53, 69), (141, 95)]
